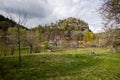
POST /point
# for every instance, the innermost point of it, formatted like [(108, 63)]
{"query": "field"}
[(75, 64)]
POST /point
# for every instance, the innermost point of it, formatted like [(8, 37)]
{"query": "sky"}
[(47, 11)]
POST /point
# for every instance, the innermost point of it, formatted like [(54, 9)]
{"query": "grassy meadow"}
[(74, 64)]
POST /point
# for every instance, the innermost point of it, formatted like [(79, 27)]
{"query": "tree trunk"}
[(19, 46), (31, 48), (4, 51), (115, 49), (12, 51)]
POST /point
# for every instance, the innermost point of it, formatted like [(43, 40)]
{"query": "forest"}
[(65, 33)]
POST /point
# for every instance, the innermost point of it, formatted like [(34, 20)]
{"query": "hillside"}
[(67, 29), (5, 23), (73, 24)]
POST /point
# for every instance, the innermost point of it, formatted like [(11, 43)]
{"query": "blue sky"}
[(47, 11)]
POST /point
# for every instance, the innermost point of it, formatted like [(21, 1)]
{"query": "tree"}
[(91, 34), (112, 37), (88, 35), (12, 36), (4, 25), (110, 11), (65, 25), (32, 40), (21, 20), (3, 38), (3, 42)]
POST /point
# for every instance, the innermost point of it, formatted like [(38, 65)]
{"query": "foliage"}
[(67, 29), (3, 43), (88, 35), (72, 24), (65, 25), (91, 36), (46, 45)]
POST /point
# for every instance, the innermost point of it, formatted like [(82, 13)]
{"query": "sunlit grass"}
[(74, 64)]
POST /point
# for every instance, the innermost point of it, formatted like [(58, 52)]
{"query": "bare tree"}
[(32, 40), (110, 11), (12, 36), (20, 20)]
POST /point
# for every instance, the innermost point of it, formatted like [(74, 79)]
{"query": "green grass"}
[(24, 51), (75, 64)]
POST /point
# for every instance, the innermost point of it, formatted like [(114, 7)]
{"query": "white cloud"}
[(46, 11)]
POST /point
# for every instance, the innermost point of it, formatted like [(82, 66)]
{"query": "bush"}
[(46, 45), (37, 49)]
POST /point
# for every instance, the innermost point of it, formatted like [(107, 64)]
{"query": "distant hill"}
[(5, 23), (73, 24), (69, 29)]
